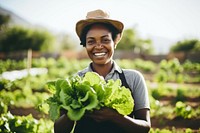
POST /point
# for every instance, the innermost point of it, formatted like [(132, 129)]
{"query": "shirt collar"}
[(115, 68)]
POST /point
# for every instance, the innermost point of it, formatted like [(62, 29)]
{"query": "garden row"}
[(173, 106), (165, 71)]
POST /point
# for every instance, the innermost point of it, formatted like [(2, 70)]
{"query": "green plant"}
[(173, 130), (171, 71), (162, 91), (18, 38), (11, 124), (161, 76), (139, 64), (77, 95), (191, 67), (157, 130), (183, 110), (156, 93), (187, 45), (24, 124), (3, 107), (180, 94)]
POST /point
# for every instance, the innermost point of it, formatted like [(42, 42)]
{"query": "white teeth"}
[(99, 54)]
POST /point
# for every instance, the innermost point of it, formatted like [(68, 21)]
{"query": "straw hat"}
[(97, 16)]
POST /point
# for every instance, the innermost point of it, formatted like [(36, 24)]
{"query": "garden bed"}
[(178, 123)]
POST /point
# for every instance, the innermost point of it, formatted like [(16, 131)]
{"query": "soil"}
[(26, 111), (177, 123), (160, 123)]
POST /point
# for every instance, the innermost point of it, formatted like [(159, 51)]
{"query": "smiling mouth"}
[(100, 54)]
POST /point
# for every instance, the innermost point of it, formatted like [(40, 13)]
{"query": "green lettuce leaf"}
[(74, 114), (54, 108), (93, 78), (121, 100), (80, 94), (51, 86)]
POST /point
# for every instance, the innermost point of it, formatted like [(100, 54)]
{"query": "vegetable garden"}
[(174, 91)]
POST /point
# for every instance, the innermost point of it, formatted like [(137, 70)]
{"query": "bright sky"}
[(172, 19)]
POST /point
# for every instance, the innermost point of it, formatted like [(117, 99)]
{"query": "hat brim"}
[(80, 25)]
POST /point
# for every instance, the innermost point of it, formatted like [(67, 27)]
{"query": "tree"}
[(191, 45), (128, 40), (18, 38), (131, 41), (65, 42), (4, 19)]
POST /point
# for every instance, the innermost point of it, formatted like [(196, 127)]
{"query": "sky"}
[(171, 19)]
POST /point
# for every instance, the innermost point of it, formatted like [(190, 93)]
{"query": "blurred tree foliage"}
[(131, 41), (18, 38), (65, 42), (4, 19), (188, 45)]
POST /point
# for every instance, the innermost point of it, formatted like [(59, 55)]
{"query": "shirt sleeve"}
[(139, 89)]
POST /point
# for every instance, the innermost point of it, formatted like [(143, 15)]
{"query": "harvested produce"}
[(80, 94)]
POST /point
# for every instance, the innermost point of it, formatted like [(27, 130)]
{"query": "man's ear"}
[(117, 39)]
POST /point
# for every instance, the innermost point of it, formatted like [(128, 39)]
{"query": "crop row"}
[(31, 92), (165, 71)]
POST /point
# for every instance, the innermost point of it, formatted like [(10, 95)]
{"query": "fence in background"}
[(195, 57)]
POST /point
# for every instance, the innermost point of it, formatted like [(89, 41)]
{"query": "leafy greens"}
[(80, 94)]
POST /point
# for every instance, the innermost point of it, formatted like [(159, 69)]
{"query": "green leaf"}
[(75, 104), (64, 91), (65, 85), (91, 102), (51, 86), (120, 98), (82, 88), (54, 111), (65, 98), (99, 89), (74, 114), (123, 103), (93, 78), (85, 98), (77, 95)]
